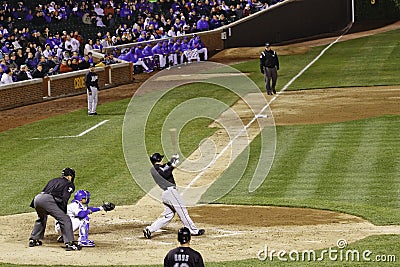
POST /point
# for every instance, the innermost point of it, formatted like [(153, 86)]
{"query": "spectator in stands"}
[(47, 51), (6, 78), (64, 67), (222, 20), (10, 61), (73, 63), (84, 63), (247, 11), (38, 72), (7, 48), (38, 18), (215, 22), (23, 74), (108, 9), (111, 60), (98, 10), (71, 44), (202, 24), (20, 57), (30, 62), (47, 64), (54, 65)]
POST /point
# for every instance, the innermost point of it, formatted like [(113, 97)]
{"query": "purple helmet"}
[(80, 194)]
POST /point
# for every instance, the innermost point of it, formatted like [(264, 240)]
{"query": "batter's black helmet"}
[(183, 235), (68, 172), (156, 157)]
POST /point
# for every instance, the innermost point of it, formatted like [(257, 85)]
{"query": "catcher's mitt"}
[(107, 206)]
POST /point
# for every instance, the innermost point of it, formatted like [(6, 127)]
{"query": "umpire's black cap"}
[(267, 44), (68, 172)]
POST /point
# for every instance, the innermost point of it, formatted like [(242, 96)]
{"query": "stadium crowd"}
[(27, 52)]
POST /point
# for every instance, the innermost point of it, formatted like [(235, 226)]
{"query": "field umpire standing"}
[(269, 66), (53, 201), (92, 86), (183, 255)]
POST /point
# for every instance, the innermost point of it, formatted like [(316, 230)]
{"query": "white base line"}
[(72, 136), (260, 113)]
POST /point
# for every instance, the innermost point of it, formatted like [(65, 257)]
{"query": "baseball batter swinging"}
[(162, 175)]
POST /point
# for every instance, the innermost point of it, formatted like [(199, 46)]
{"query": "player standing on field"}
[(92, 87), (269, 66), (162, 175), (183, 255)]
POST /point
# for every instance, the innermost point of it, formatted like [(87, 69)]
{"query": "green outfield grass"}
[(368, 61), (351, 167)]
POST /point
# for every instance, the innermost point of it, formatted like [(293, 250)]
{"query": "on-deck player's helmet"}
[(184, 235), (156, 157), (80, 194), (68, 172)]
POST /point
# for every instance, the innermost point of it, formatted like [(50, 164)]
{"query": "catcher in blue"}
[(183, 255), (79, 211), (162, 175)]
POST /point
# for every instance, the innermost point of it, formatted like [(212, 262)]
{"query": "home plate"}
[(261, 116)]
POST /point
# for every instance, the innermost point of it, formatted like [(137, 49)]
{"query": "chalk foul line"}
[(260, 114), (72, 136)]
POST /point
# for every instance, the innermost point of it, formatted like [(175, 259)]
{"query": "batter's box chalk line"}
[(71, 136)]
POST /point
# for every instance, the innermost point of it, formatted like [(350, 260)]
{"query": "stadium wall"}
[(290, 21), (68, 84)]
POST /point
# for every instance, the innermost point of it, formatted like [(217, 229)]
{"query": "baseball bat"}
[(174, 140)]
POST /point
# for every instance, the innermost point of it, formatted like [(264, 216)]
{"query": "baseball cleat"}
[(34, 242), (72, 246), (146, 233), (200, 232), (86, 243)]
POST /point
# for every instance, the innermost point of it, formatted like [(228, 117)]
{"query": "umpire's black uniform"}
[(53, 201), (269, 66)]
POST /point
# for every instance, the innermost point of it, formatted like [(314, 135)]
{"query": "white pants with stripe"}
[(92, 100), (173, 203)]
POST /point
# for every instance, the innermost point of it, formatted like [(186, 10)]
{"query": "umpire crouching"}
[(269, 66), (53, 201)]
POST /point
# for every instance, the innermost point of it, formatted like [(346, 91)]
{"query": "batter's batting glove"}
[(174, 162)]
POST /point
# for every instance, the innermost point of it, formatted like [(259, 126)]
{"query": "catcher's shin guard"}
[(84, 230)]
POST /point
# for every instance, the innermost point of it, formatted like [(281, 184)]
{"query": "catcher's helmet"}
[(184, 235), (156, 157), (80, 194), (68, 172)]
